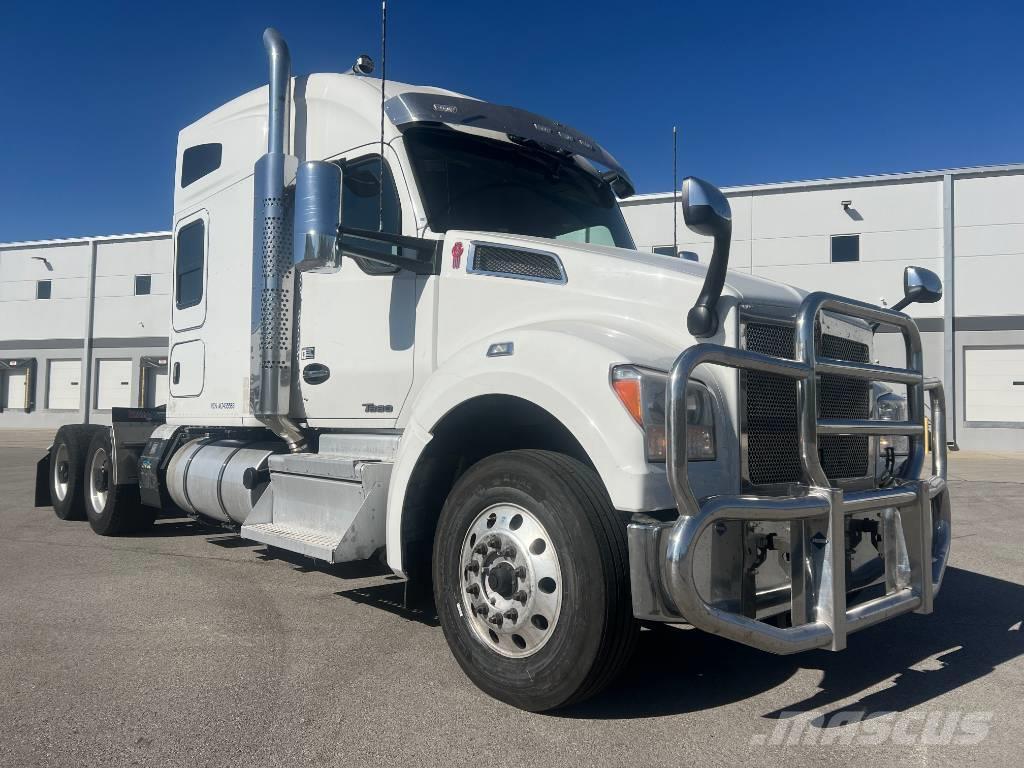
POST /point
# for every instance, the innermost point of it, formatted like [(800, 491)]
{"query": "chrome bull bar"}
[(915, 513)]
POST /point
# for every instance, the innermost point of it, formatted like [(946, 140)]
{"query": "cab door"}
[(188, 308), (357, 326)]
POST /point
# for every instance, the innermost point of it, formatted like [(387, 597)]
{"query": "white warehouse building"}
[(84, 322), (83, 327), (854, 236)]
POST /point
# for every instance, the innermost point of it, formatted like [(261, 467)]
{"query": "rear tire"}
[(532, 535), (112, 510), (67, 470)]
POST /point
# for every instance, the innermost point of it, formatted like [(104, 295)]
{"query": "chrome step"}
[(329, 507), (306, 542)]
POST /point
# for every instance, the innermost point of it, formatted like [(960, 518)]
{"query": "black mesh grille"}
[(771, 414), (511, 261), (840, 397)]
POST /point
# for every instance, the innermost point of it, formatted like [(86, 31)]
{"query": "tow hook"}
[(858, 527), (761, 544)]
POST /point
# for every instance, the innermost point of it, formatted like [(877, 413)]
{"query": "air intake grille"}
[(771, 412), (512, 262)]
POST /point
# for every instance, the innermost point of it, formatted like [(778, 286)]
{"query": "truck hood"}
[(633, 302), (627, 275)]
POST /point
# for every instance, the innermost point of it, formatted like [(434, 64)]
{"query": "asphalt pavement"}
[(188, 646)]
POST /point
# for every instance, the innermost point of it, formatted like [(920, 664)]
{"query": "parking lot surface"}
[(190, 646)]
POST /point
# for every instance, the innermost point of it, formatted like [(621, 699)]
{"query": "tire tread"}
[(620, 631)]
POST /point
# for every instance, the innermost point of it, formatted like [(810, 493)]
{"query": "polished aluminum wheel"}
[(511, 580), (61, 471), (99, 478)]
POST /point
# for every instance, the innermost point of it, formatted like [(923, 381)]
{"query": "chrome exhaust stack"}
[(273, 279)]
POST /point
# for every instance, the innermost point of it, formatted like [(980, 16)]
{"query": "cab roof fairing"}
[(418, 107)]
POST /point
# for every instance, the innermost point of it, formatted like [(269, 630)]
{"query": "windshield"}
[(484, 185)]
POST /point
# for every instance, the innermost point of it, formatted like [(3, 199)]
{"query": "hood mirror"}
[(920, 286), (706, 211)]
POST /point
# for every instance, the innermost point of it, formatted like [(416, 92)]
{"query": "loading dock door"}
[(14, 390), (113, 384), (994, 380), (64, 385), (156, 386)]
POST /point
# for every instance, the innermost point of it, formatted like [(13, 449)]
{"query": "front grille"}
[(516, 263), (771, 413)]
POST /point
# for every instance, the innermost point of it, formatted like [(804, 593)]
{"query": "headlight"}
[(642, 392), (892, 407)]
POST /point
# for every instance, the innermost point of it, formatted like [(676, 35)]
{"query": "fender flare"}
[(608, 435)]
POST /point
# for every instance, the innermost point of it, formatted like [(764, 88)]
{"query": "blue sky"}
[(95, 93)]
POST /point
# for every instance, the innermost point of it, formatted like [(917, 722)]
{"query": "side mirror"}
[(317, 217), (921, 285), (706, 211)]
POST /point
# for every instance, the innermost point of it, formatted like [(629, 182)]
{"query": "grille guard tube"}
[(817, 512)]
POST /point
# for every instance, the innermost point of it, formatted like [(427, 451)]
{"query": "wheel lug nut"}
[(480, 549), (520, 596), (511, 614), (496, 620), (482, 609), (493, 542), (509, 552), (521, 572), (473, 589), (473, 566)]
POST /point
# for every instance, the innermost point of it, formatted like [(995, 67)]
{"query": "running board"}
[(309, 543), (329, 507)]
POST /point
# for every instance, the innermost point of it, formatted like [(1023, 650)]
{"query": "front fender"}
[(564, 369)]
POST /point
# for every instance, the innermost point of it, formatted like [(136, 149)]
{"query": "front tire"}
[(531, 579), (112, 509)]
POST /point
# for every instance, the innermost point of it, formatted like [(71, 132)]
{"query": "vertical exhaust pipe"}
[(280, 61), (273, 279)]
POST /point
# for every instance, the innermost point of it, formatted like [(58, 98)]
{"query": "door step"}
[(325, 506), (306, 542)]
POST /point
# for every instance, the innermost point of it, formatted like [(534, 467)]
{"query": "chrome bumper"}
[(914, 513)]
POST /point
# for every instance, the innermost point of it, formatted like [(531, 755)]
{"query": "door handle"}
[(176, 375)]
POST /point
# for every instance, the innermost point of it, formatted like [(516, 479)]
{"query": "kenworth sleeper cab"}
[(436, 342)]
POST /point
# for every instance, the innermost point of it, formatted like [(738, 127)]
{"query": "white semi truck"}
[(411, 323)]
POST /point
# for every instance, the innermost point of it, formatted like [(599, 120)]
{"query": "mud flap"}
[(42, 497)]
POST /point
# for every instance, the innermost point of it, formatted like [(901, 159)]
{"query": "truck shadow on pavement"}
[(910, 660), (976, 627)]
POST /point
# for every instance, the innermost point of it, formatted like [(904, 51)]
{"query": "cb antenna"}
[(383, 80), (675, 194)]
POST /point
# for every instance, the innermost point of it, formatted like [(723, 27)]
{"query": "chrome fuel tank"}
[(205, 477)]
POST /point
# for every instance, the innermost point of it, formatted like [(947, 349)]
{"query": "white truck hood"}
[(633, 302), (648, 277)]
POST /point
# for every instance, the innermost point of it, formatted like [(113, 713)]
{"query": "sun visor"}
[(409, 108)]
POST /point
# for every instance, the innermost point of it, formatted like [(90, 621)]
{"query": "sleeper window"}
[(188, 270), (199, 161)]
